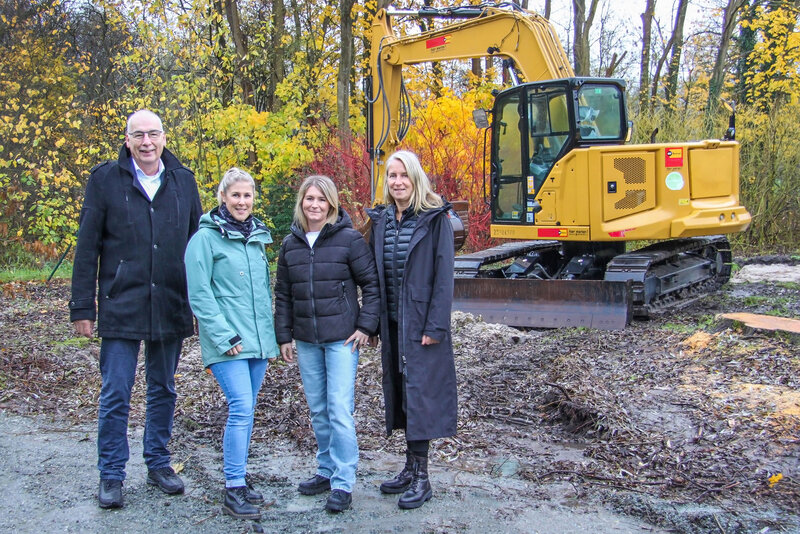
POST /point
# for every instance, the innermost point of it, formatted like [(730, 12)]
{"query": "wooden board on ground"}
[(764, 322)]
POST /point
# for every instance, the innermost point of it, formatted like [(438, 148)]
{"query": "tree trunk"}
[(276, 55), (644, 69), (718, 74), (671, 84), (581, 24), (477, 70), (240, 42), (745, 43), (614, 63), (226, 90), (345, 67)]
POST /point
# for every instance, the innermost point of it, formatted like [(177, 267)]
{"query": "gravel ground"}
[(677, 424)]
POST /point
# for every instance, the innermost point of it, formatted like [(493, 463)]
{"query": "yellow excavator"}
[(565, 189)]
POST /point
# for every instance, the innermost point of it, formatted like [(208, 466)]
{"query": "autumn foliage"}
[(250, 92)]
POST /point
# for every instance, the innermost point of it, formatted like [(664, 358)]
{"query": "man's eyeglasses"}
[(152, 134)]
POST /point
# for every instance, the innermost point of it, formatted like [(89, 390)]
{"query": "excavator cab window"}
[(600, 114), (548, 131), (535, 124)]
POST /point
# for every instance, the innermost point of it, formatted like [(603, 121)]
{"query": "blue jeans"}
[(118, 369), (328, 371), (240, 381)]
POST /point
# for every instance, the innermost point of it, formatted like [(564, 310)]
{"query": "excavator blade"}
[(546, 303)]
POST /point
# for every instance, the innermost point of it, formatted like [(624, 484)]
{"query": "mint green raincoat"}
[(229, 290)]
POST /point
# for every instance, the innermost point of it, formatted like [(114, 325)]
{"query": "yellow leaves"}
[(775, 58), (774, 479), (60, 142)]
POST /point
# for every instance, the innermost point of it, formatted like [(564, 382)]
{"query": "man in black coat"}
[(137, 217)]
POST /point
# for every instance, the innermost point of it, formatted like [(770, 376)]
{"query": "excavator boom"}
[(528, 41)]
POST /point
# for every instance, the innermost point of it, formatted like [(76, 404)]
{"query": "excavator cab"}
[(535, 124)]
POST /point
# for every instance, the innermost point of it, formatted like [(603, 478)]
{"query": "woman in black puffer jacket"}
[(320, 267)]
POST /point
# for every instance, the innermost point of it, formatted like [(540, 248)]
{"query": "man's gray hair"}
[(140, 113)]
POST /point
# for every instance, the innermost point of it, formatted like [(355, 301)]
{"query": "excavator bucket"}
[(546, 303)]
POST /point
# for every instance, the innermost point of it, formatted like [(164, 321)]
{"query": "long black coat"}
[(316, 295), (424, 307), (140, 244)]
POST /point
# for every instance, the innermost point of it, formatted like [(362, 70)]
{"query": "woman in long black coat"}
[(412, 239)]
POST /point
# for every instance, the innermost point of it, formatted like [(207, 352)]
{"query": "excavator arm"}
[(526, 41)]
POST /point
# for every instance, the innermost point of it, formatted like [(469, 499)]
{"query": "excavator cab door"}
[(535, 125), (531, 130)]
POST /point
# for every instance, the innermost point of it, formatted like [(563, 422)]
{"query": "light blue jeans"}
[(328, 371), (240, 381)]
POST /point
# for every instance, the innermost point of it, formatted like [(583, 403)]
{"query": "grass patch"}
[(77, 342), (681, 328), (788, 285), (27, 273), (755, 300)]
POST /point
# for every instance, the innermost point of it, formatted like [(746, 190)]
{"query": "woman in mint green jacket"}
[(228, 279)]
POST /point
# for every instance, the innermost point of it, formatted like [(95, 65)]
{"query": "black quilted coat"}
[(316, 289)]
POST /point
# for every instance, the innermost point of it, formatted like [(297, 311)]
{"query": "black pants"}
[(417, 447)]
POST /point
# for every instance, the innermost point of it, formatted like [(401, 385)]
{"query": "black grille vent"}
[(633, 169)]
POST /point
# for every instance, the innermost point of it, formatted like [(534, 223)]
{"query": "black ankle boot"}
[(253, 496), (236, 504), (419, 490), (402, 480)]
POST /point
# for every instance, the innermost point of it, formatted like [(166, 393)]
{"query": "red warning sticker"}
[(553, 232), (673, 157), (437, 41)]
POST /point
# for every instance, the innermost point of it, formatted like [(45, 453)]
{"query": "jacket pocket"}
[(348, 308), (119, 276), (418, 315), (421, 294)]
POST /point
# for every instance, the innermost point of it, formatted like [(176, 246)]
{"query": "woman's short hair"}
[(328, 190), (423, 197), (232, 176)]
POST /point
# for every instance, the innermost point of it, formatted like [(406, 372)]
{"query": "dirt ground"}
[(683, 423)]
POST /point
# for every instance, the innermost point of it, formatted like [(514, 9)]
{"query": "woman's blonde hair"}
[(423, 197), (328, 190), (232, 176)]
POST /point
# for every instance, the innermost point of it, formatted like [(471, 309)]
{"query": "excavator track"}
[(469, 265), (637, 284), (672, 273)]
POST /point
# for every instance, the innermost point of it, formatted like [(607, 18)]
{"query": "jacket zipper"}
[(401, 339), (253, 294), (311, 289)]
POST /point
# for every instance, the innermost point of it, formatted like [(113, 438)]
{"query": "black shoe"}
[(166, 480), (253, 496), (338, 501), (402, 480), (419, 490), (110, 493), (236, 504), (314, 485)]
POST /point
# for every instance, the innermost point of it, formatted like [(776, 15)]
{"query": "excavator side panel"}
[(546, 303)]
